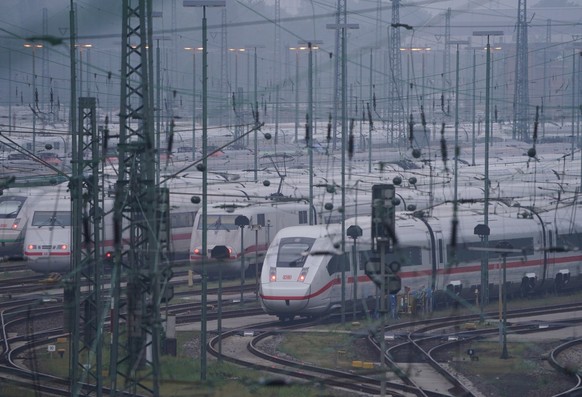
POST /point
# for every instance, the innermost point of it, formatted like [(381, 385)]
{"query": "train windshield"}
[(293, 251), (51, 218), (11, 207), (220, 222)]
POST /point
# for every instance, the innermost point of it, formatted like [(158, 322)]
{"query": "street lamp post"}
[(343, 27), (236, 98), (256, 110), (309, 46), (485, 262), (203, 325)]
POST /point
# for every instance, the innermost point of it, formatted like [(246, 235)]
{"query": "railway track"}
[(423, 348), (432, 342), (189, 312)]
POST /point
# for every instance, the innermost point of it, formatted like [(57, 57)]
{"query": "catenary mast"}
[(397, 121), (141, 234), (521, 96)]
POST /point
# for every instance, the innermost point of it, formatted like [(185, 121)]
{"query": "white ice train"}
[(14, 217), (12, 224), (268, 219), (224, 235), (302, 270), (265, 220), (47, 243)]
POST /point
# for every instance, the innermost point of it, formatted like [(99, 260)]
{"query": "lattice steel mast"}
[(521, 95), (140, 215), (85, 305)]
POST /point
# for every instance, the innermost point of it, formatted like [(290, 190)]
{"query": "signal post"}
[(383, 274)]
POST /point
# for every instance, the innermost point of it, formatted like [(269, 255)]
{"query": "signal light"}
[(108, 255)]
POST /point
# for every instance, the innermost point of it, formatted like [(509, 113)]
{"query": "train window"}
[(302, 217), (10, 208), (261, 219), (220, 222), (51, 218), (184, 219), (17, 156), (570, 241), (293, 251), (407, 256), (337, 262), (550, 239), (472, 252)]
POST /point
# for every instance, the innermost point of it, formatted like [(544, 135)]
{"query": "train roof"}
[(309, 231), (241, 208)]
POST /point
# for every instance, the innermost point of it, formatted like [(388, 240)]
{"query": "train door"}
[(435, 257), (441, 252), (337, 266)]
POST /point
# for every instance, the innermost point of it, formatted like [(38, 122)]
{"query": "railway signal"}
[(383, 196), (389, 280), (383, 274)]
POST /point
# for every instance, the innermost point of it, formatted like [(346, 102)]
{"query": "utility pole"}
[(397, 119), (45, 62), (521, 94), (224, 97), (546, 81), (485, 236), (340, 19), (446, 54), (473, 105), (457, 150)]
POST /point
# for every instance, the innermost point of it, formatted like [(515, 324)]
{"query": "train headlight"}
[(109, 255), (63, 247), (31, 247), (303, 274), (196, 251), (273, 274), (15, 223)]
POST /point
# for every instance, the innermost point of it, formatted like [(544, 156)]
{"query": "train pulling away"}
[(303, 266)]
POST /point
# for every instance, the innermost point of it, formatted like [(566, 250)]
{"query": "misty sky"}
[(250, 22)]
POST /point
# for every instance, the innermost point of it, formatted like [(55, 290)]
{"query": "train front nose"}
[(281, 297)]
